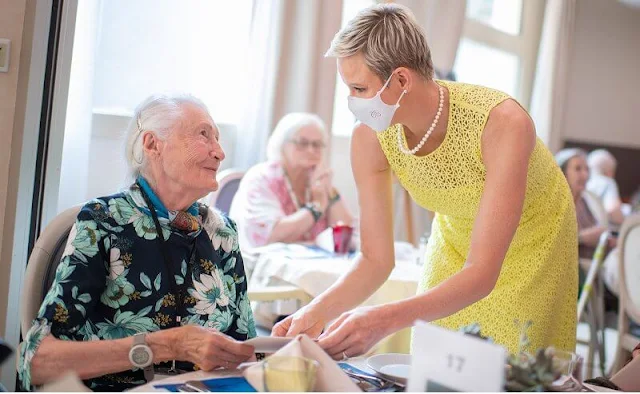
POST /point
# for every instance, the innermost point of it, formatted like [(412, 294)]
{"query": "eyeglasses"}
[(303, 143)]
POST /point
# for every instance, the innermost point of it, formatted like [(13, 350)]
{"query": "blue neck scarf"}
[(161, 210)]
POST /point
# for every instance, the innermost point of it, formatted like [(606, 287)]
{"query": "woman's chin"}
[(212, 185), (208, 183)]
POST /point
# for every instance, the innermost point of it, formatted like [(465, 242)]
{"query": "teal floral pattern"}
[(110, 284)]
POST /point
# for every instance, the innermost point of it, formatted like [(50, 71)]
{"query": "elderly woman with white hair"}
[(290, 197), (149, 275)]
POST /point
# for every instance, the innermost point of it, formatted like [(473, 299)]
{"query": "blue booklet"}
[(224, 385)]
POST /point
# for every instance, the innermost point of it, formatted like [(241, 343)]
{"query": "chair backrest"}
[(228, 183), (629, 265), (43, 262), (5, 351)]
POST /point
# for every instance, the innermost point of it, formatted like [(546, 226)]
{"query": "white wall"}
[(604, 82), (151, 46)]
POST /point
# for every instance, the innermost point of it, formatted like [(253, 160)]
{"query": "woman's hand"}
[(319, 195), (210, 349), (304, 321), (322, 176), (355, 332)]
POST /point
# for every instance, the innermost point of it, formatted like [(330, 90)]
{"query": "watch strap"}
[(314, 211), (139, 339), (148, 373)]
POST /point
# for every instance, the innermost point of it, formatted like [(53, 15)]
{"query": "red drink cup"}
[(342, 238)]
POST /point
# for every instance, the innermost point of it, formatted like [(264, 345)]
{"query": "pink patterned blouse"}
[(261, 201)]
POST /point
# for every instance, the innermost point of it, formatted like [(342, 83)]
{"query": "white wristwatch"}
[(141, 356)]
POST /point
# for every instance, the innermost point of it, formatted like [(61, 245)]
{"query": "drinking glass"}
[(289, 374), (569, 363)]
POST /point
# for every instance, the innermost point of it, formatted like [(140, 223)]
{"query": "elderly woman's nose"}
[(218, 152)]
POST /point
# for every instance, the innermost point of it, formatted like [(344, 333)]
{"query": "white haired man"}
[(602, 183)]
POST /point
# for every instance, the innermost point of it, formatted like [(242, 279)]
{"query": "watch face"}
[(140, 356)]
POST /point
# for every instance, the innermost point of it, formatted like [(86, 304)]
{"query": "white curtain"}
[(443, 21), (264, 50), (548, 101), (287, 70)]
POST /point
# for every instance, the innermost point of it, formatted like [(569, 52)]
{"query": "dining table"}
[(161, 380), (314, 270)]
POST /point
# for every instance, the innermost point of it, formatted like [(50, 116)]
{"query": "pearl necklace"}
[(427, 135)]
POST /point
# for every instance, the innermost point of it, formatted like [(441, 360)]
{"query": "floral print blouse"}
[(261, 201), (112, 281)]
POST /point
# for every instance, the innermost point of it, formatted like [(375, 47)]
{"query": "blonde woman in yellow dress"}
[(503, 246)]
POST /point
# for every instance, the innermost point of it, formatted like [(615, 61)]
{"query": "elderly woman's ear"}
[(150, 144)]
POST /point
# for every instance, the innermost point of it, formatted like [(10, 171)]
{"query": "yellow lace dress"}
[(539, 276)]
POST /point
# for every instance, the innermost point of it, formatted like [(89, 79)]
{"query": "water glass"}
[(569, 363), (289, 374)]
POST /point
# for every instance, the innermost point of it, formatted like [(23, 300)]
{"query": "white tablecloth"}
[(315, 271)]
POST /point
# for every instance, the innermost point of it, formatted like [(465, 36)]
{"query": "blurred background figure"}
[(602, 183), (592, 221), (290, 197)]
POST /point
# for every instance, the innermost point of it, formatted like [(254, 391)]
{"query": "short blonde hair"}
[(389, 37)]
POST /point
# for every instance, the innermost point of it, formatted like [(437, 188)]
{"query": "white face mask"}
[(374, 112)]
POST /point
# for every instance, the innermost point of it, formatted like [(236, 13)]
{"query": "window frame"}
[(524, 45)]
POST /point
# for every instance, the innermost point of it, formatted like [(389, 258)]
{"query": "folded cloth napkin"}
[(329, 375)]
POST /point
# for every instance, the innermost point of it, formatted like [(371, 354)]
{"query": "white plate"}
[(268, 344), (394, 366)]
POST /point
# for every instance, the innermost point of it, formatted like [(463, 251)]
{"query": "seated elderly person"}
[(602, 183), (592, 218), (291, 197), (149, 275)]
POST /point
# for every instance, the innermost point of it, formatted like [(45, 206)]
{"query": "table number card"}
[(444, 360)]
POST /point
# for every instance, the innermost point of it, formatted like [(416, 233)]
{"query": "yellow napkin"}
[(329, 376)]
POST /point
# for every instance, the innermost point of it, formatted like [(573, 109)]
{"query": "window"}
[(343, 119), (499, 45), (125, 51), (500, 73), (150, 46), (498, 49), (502, 15)]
